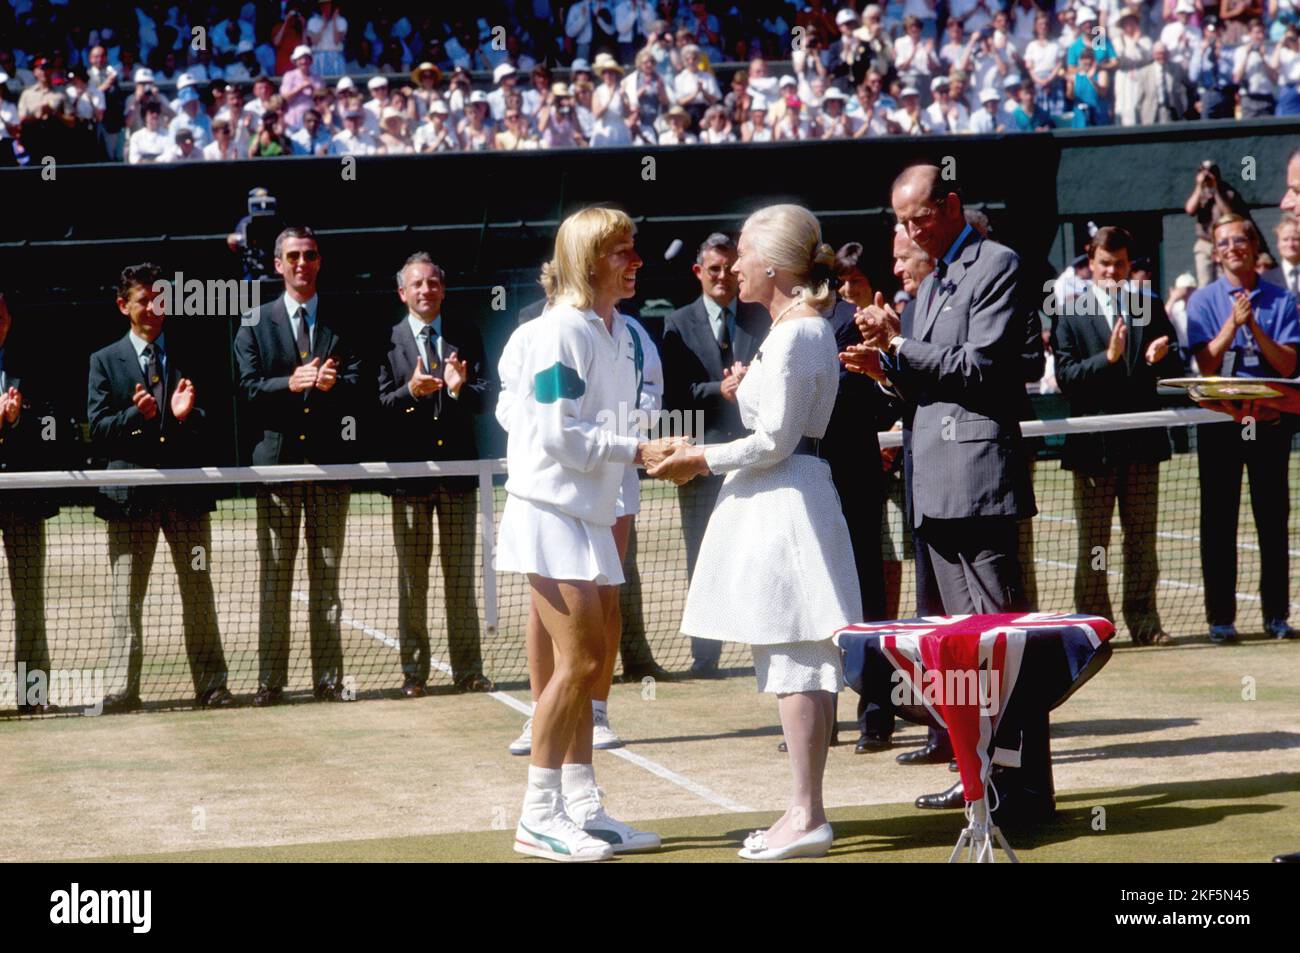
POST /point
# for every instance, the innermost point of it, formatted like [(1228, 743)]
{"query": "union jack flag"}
[(964, 669)]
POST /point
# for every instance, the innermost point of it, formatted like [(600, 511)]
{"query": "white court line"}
[(1167, 583), (654, 767), (1163, 534)]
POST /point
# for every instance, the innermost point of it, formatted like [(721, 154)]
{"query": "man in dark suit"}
[(432, 384), (963, 369), (1112, 346), (707, 348), (300, 378), (143, 412), (24, 414)]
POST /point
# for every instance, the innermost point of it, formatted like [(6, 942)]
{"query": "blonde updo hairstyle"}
[(583, 238), (789, 238)]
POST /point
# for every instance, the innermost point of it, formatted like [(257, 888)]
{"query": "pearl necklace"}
[(784, 311)]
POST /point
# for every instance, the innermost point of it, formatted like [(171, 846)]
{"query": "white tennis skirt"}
[(536, 538), (788, 667)]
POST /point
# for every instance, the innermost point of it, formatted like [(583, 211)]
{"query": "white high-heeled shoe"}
[(815, 843)]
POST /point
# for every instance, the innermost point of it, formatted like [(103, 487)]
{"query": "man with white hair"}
[(909, 117), (355, 139), (1161, 89)]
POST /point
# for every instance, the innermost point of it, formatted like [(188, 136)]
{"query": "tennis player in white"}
[(541, 662), (567, 456)]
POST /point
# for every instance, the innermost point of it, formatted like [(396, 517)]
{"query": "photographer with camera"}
[(1255, 73), (1285, 61), (1210, 198)]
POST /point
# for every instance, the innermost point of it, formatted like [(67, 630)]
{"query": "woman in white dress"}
[(776, 566), (610, 106), (567, 454)]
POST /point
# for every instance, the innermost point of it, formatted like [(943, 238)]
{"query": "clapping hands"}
[(878, 323)]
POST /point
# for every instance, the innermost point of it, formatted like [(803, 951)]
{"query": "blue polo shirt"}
[(1275, 312)]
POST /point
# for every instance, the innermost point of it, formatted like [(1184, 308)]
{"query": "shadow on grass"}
[(1184, 747), (1136, 810)]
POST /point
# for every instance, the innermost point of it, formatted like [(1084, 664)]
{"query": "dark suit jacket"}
[(296, 428), (22, 444), (693, 364), (439, 426), (963, 368), (120, 434), (1093, 385)]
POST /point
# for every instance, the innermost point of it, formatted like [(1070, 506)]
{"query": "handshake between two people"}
[(878, 323), (672, 458)]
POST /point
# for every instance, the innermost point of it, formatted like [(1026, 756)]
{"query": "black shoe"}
[(705, 668), (331, 692), (868, 744), (216, 698), (952, 766), (412, 687), (268, 696), (478, 682), (120, 704), (952, 798), (930, 754), (633, 674), (1287, 858)]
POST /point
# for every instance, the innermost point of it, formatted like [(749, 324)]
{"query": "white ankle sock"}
[(543, 779), (577, 778), (542, 797)]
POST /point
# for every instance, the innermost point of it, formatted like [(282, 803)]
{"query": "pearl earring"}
[(771, 272)]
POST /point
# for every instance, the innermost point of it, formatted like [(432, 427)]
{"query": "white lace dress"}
[(776, 566)]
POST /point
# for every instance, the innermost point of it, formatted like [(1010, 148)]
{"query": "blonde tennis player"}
[(567, 455)]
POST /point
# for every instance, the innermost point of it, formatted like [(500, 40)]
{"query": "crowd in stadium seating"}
[(257, 80)]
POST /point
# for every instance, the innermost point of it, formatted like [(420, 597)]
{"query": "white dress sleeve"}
[(784, 397), (510, 371), (568, 429)]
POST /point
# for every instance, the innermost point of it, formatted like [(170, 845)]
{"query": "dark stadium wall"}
[(489, 219)]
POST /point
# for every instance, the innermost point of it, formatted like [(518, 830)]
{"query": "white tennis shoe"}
[(546, 831), (602, 736), (523, 745), (587, 810)]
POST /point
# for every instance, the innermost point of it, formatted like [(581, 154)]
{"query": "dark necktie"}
[(724, 336), (304, 338), (429, 340), (153, 374)]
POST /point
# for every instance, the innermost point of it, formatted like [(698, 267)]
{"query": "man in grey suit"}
[(707, 348), (963, 369)]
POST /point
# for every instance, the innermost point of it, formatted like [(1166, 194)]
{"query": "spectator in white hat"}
[(374, 106), (1133, 52), (1181, 37), (1176, 308), (327, 31), (611, 107), (755, 127), (834, 121), (677, 133), (393, 139), (506, 78), (945, 114), (558, 120), (436, 133), (144, 91), (298, 87), (1103, 50), (354, 140), (910, 119), (475, 133), (988, 118)]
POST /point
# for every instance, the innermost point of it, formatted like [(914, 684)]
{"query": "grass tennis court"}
[(1162, 739), (77, 585)]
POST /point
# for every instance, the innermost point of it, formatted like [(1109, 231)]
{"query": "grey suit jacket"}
[(963, 369)]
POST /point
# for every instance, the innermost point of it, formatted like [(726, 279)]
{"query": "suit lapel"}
[(943, 290), (705, 344)]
